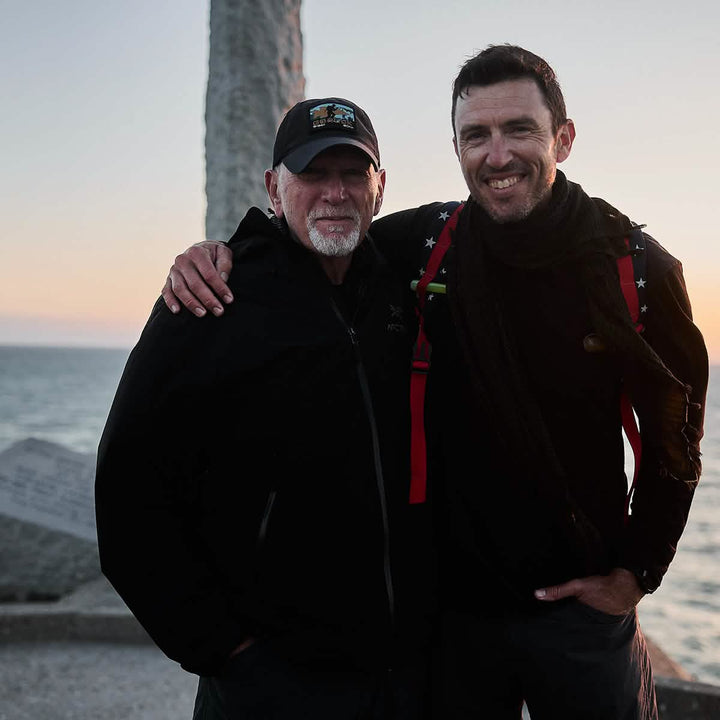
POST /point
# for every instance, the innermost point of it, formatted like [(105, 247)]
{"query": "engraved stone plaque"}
[(47, 520), (49, 485)]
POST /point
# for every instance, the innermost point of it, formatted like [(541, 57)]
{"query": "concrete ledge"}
[(43, 624), (92, 613), (687, 700)]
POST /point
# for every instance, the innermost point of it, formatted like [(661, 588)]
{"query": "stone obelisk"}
[(255, 75)]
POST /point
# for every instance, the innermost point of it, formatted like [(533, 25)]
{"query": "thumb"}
[(558, 592)]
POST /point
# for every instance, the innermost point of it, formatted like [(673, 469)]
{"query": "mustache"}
[(334, 212), (512, 167)]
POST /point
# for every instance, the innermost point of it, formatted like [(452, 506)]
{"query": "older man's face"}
[(330, 205), (507, 149)]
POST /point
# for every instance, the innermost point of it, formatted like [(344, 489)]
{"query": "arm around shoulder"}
[(198, 278)]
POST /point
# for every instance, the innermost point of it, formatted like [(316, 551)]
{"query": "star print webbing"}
[(633, 281), (441, 227)]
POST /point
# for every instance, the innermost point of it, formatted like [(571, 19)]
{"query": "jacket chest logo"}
[(396, 319)]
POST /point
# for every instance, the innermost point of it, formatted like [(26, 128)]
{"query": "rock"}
[(48, 543)]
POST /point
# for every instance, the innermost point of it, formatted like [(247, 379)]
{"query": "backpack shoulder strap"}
[(437, 241), (632, 271), (439, 234)]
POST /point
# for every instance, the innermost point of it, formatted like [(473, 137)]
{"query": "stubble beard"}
[(521, 209), (334, 245), (511, 215)]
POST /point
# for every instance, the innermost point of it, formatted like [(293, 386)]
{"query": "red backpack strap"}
[(633, 283), (450, 215), (441, 227)]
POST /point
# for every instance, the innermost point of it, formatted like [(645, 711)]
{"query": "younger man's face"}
[(507, 149)]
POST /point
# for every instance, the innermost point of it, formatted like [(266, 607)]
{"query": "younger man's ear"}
[(565, 139)]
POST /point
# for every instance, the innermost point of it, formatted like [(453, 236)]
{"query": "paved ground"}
[(86, 658), (92, 681)]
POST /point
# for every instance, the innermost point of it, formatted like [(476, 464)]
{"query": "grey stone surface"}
[(92, 681), (47, 520), (255, 75), (687, 700), (94, 612), (86, 657), (47, 484)]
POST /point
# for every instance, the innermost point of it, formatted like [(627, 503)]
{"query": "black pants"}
[(567, 662), (258, 684)]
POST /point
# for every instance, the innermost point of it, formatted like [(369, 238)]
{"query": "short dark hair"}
[(498, 63)]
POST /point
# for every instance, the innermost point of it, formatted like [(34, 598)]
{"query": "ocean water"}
[(64, 395), (57, 394), (683, 615)]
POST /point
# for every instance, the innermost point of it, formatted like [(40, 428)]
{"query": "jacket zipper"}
[(380, 479), (262, 532)]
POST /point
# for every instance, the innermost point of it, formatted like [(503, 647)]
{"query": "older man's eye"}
[(310, 173), (474, 136)]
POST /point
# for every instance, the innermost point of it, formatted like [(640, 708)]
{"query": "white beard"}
[(335, 246)]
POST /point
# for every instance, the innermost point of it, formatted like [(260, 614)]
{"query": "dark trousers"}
[(567, 662), (258, 684)]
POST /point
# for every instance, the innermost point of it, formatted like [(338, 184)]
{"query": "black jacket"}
[(253, 475), (579, 394)]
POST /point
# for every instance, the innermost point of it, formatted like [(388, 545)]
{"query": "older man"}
[(534, 352), (272, 552)]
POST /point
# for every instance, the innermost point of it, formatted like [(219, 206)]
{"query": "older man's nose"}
[(335, 190)]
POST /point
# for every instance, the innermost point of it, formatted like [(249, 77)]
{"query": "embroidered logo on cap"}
[(332, 116)]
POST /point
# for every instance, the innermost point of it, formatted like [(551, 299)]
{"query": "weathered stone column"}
[(255, 75)]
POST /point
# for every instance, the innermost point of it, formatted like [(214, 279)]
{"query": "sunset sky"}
[(102, 131)]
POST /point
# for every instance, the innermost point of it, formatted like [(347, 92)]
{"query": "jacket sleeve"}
[(661, 501), (152, 453)]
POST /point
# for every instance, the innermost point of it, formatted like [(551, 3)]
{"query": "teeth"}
[(507, 182)]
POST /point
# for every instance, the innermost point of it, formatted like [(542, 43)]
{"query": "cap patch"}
[(332, 116)]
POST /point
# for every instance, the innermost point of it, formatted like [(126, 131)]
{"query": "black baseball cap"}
[(312, 126)]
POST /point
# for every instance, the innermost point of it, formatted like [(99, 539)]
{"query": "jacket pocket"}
[(600, 616)]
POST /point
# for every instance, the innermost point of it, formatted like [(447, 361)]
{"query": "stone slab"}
[(48, 544), (50, 486)]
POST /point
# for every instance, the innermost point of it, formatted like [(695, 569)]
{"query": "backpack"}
[(632, 276)]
